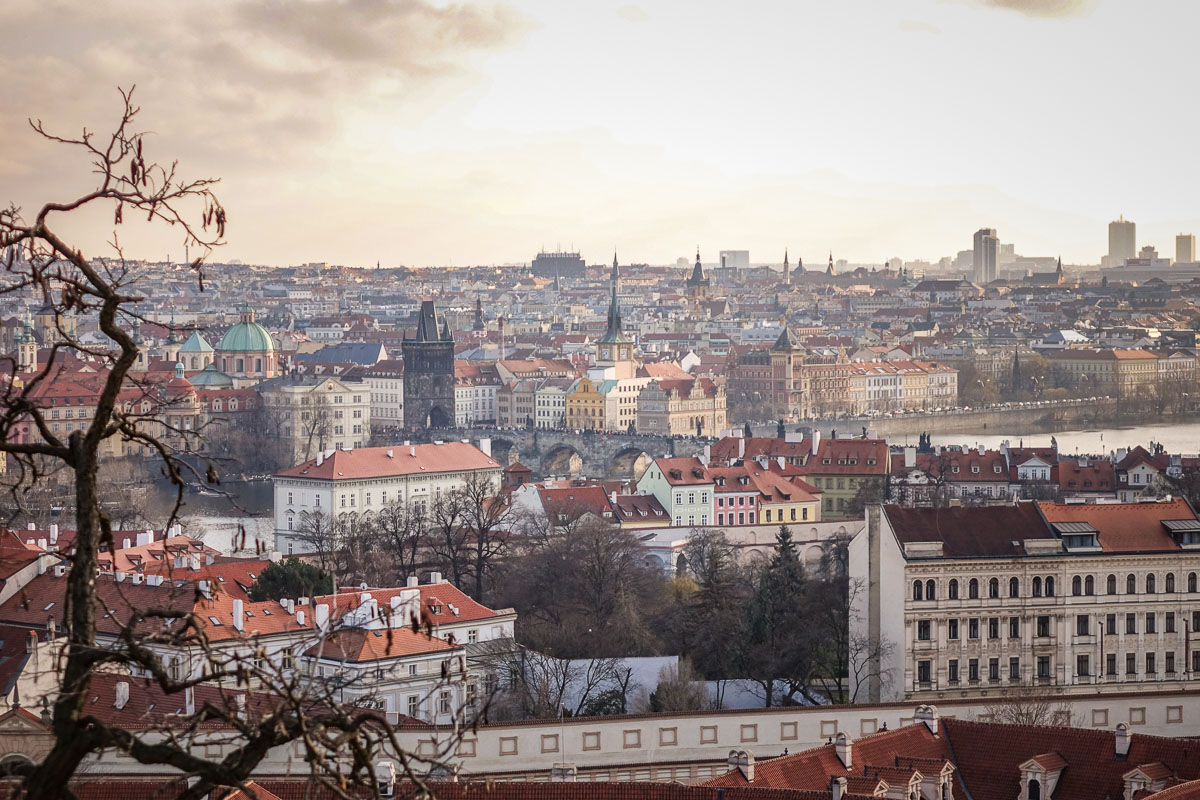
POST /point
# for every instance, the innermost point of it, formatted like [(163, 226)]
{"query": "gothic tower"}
[(615, 349), (429, 372)]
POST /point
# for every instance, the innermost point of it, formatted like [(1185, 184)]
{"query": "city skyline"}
[(794, 127)]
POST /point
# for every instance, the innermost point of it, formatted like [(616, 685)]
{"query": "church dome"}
[(247, 336)]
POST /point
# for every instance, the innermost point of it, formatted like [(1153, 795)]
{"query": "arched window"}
[(1037, 587), (1131, 584), (1050, 586), (1076, 586), (1150, 587), (1089, 585), (1112, 584), (1192, 582), (918, 590), (1014, 587), (930, 590), (973, 589), (994, 588), (953, 589), (1170, 587), (1034, 791)]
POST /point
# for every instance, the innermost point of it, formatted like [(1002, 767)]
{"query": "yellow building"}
[(585, 406)]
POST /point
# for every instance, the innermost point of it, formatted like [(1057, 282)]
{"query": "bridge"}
[(555, 453)]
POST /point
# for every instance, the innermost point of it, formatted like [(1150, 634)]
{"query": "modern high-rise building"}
[(1185, 248), (1122, 241), (987, 255)]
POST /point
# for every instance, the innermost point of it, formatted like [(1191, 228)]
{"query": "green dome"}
[(247, 336)]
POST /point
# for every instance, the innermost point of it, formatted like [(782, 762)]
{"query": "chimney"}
[(122, 698), (1122, 741), (390, 454), (194, 563), (741, 447), (300, 618), (816, 445), (486, 446), (837, 788), (239, 616), (910, 457), (412, 451), (743, 761), (843, 746), (121, 576), (413, 580), (781, 461), (320, 458), (435, 577), (189, 700), (928, 715), (613, 497), (31, 527), (321, 616), (125, 543), (239, 704), (203, 586), (53, 533), (982, 450), (145, 538)]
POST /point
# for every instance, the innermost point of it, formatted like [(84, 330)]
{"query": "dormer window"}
[(975, 469)]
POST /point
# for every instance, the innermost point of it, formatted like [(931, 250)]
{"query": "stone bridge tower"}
[(429, 372)]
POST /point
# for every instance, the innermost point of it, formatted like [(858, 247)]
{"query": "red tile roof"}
[(358, 645), (1125, 527), (970, 532), (374, 462)]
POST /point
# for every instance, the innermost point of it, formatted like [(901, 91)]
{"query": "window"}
[(414, 705), (918, 590), (993, 669), (1169, 662), (994, 628), (1043, 627), (1089, 585), (994, 588), (973, 670), (1110, 624), (1110, 664), (1014, 669), (923, 630), (1082, 627), (1014, 587), (952, 629), (973, 589), (1150, 587), (1076, 586), (1014, 627), (1034, 791), (1112, 584), (952, 590), (1169, 625), (973, 628), (923, 672), (1151, 618), (930, 593), (1131, 623), (1131, 663), (952, 670), (1150, 665), (1170, 583), (1082, 665), (1043, 666), (1192, 582), (1130, 584)]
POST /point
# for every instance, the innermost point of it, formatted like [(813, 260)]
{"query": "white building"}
[(354, 485), (386, 383), (316, 413), (1077, 598)]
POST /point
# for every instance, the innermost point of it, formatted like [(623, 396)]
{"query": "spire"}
[(1059, 270), (786, 277), (829, 270), (800, 264), (172, 337), (614, 308)]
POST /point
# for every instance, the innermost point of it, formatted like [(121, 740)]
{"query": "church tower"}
[(697, 285), (787, 279), (428, 372), (615, 349), (27, 347)]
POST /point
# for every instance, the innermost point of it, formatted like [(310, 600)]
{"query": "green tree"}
[(777, 647), (291, 578)]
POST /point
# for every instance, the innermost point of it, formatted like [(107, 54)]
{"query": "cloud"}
[(917, 26), (1044, 8)]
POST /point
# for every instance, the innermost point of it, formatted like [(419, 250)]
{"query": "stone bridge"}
[(554, 453)]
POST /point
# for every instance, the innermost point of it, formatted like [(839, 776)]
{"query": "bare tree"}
[(341, 741), (1028, 704)]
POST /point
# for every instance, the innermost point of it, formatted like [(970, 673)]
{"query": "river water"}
[(1181, 438)]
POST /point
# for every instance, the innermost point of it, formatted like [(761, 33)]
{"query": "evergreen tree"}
[(290, 578), (749, 432), (779, 430)]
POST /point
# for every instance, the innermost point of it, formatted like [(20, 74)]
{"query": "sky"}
[(425, 133)]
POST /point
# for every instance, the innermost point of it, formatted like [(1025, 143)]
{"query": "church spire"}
[(829, 269), (614, 308), (786, 277)]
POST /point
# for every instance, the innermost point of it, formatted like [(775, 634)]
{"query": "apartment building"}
[(1073, 598), (317, 412)]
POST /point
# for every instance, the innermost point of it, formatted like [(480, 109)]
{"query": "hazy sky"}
[(418, 132)]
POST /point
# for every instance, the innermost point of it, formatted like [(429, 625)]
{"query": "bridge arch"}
[(505, 451), (562, 460), (628, 463)]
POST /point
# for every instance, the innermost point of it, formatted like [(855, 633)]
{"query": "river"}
[(1181, 438)]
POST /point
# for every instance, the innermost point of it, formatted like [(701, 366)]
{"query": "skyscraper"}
[(987, 255), (1122, 241), (1185, 248)]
